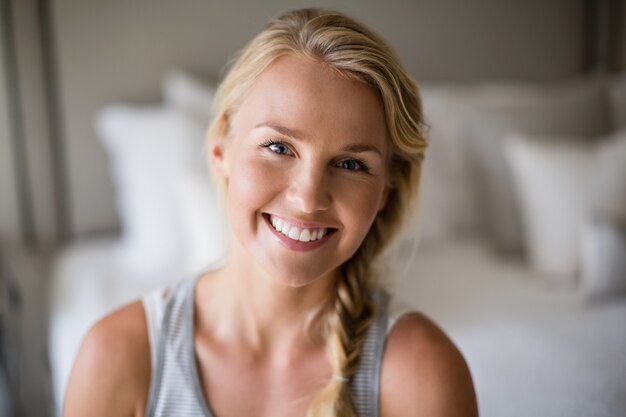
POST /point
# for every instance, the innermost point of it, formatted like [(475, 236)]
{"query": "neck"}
[(249, 308)]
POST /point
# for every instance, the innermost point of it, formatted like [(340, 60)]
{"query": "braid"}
[(347, 320), (346, 323)]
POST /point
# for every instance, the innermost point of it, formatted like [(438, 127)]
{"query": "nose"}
[(309, 189)]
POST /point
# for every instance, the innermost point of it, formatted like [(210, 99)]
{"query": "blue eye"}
[(276, 147), (353, 165)]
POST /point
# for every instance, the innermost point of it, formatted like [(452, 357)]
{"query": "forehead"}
[(309, 96)]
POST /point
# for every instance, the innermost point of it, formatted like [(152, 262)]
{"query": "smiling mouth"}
[(297, 233)]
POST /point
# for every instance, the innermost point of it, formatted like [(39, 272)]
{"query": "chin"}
[(296, 277)]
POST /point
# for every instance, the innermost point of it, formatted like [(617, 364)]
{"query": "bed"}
[(532, 350), (543, 335)]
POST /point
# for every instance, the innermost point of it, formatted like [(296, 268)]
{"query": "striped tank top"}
[(175, 388)]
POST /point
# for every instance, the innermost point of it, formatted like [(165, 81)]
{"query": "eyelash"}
[(271, 142), (363, 166)]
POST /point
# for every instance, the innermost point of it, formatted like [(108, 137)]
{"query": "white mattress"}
[(533, 350)]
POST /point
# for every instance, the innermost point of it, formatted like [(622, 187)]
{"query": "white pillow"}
[(204, 223), (149, 148), (467, 184), (552, 179), (558, 184), (604, 237), (189, 94), (609, 183), (603, 247), (448, 207)]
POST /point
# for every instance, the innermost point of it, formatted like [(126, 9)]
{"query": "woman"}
[(318, 140)]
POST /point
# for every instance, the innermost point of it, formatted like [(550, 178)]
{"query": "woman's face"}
[(305, 161)]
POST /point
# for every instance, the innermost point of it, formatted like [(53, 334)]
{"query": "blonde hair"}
[(357, 53)]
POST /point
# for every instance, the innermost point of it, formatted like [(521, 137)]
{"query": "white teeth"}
[(296, 233), (305, 236)]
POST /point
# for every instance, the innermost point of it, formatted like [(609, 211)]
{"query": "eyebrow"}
[(295, 134)]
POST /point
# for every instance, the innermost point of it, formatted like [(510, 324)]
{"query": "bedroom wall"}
[(9, 216), (621, 36), (27, 212), (117, 51)]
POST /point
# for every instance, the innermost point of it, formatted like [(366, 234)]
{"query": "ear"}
[(217, 153), (218, 160)]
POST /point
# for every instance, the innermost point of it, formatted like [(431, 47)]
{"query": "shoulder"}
[(113, 362), (423, 373)]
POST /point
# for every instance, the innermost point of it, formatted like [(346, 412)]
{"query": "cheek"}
[(249, 179), (251, 185), (360, 207)]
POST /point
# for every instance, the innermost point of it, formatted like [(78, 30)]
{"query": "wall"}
[(622, 37), (9, 216), (27, 214), (117, 51)]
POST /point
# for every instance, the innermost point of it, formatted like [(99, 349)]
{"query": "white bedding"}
[(533, 350)]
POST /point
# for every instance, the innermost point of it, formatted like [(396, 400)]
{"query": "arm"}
[(111, 374), (424, 374)]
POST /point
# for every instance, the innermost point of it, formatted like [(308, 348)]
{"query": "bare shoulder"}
[(113, 363), (423, 373)]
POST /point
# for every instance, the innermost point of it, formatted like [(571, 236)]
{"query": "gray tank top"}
[(175, 388)]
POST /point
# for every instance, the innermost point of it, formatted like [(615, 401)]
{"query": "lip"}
[(297, 245)]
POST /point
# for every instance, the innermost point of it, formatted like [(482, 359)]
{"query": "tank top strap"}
[(174, 378), (365, 383), (153, 305)]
